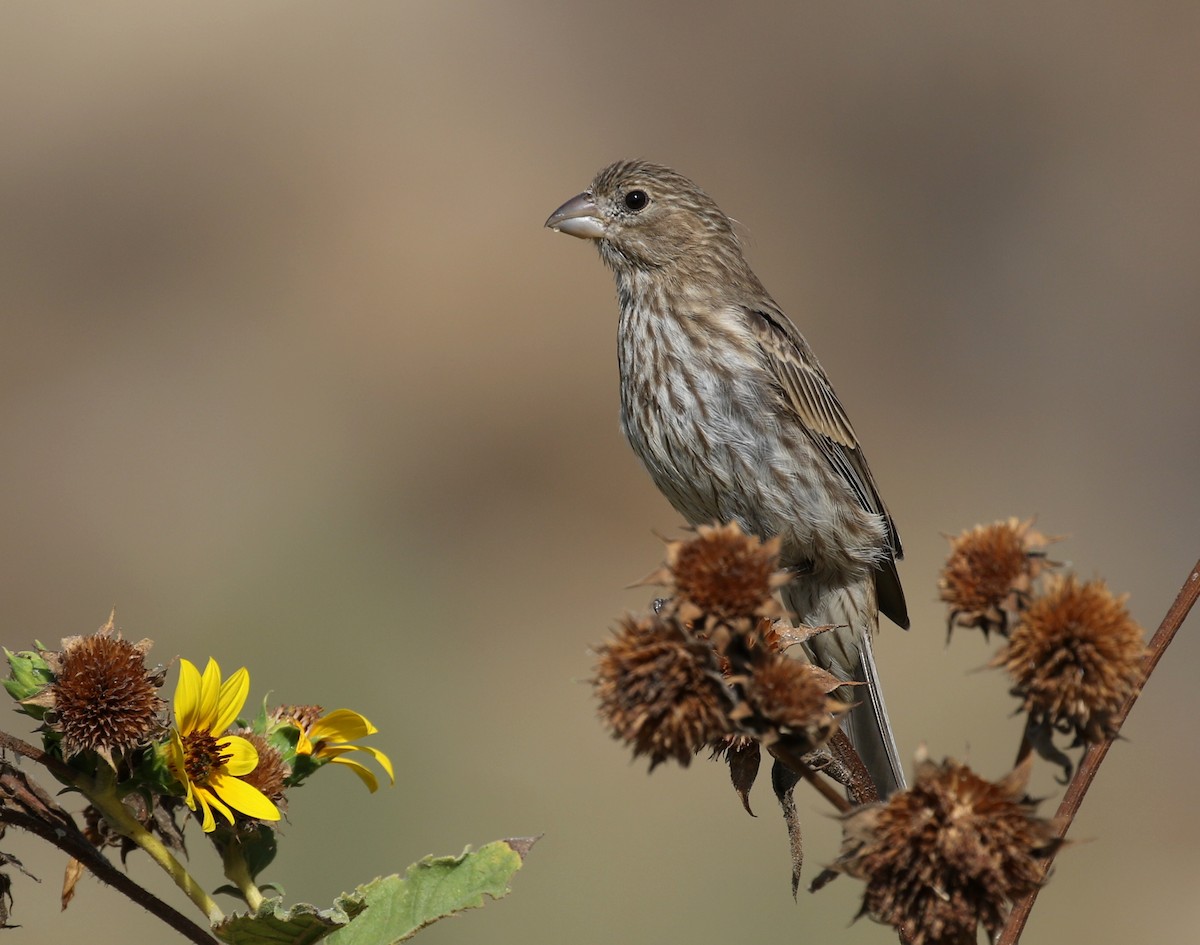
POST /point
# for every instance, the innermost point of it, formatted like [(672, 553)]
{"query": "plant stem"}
[(103, 795), (238, 873), (1094, 756), (793, 760), (28, 807)]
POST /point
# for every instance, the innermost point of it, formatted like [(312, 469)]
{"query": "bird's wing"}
[(807, 391)]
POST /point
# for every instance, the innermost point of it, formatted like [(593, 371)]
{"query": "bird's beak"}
[(578, 217)]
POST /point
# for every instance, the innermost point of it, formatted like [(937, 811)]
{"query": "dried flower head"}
[(990, 572), (1075, 657), (787, 697), (103, 698), (660, 689), (947, 855), (722, 575), (303, 716)]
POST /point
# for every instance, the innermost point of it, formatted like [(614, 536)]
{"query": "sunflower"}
[(326, 738), (208, 763)]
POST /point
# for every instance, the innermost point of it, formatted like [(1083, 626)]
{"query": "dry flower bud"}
[(722, 575), (660, 689), (988, 577), (1075, 657), (949, 854)]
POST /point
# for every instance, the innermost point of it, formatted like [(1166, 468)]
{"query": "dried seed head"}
[(722, 575), (103, 698), (786, 697), (990, 572), (1075, 657), (660, 689), (746, 637), (305, 716), (947, 855)]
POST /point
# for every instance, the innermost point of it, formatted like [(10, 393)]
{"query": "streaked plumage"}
[(733, 417)]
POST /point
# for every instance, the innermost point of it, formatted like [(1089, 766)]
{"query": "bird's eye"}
[(636, 200)]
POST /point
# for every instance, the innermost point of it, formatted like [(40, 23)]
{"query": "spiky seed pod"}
[(103, 698), (722, 575), (660, 689), (949, 854), (786, 697), (989, 574), (1075, 657)]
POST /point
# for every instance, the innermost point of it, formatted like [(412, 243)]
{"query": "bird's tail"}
[(847, 653), (869, 729)]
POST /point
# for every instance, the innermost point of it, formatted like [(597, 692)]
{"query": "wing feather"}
[(808, 392)]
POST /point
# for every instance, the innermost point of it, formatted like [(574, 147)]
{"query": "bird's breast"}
[(692, 401), (704, 414)]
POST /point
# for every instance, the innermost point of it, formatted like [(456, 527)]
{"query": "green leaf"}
[(432, 889), (302, 924)]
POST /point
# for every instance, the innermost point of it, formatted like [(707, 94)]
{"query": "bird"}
[(734, 418)]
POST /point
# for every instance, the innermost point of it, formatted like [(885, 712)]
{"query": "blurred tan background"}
[(291, 373)]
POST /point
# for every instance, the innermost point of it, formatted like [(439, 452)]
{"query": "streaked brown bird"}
[(735, 420)]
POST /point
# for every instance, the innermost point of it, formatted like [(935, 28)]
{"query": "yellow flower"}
[(327, 738), (209, 763)]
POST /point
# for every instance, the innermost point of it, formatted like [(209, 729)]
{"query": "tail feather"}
[(847, 653), (869, 729)]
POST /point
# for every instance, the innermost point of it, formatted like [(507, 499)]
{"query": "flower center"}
[(202, 755)]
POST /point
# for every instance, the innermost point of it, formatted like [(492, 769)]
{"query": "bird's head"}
[(646, 216)]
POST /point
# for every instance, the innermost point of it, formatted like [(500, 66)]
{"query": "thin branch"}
[(1094, 756), (56, 765), (30, 808)]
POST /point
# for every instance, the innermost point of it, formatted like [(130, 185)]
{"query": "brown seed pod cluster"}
[(989, 575), (1074, 658), (708, 669), (949, 854)]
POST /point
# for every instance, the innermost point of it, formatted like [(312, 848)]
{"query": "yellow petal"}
[(207, 823), (231, 699), (187, 697), (177, 764), (333, 754), (365, 774), (304, 745), (243, 756), (243, 797), (210, 690), (210, 798), (341, 725)]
